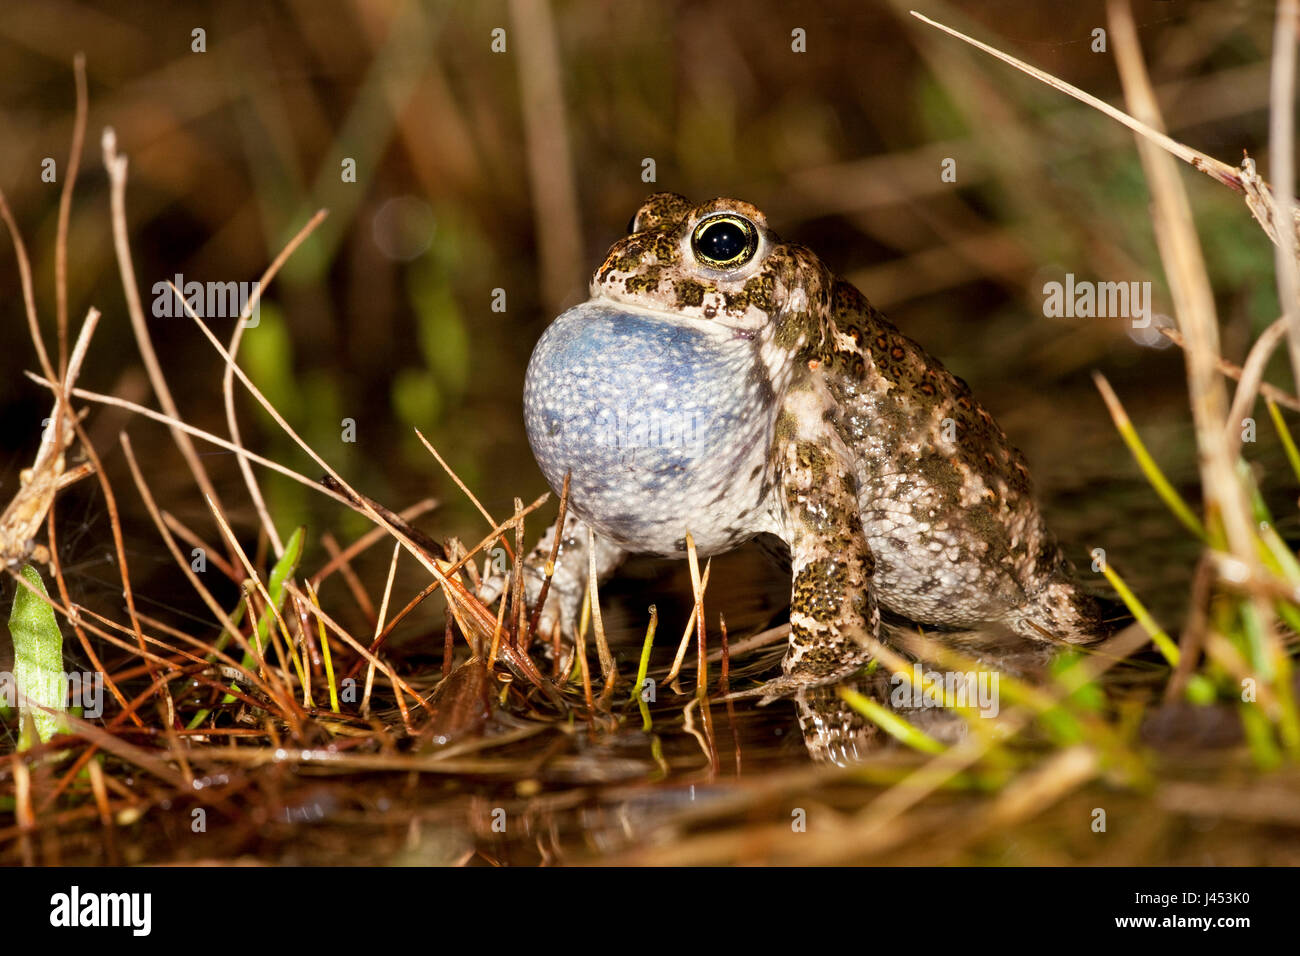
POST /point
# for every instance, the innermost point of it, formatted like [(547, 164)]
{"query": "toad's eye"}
[(631, 225), (725, 241)]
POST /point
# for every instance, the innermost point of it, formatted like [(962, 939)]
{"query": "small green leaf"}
[(38, 659)]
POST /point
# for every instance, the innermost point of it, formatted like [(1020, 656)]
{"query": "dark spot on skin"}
[(648, 281), (783, 432), (620, 520), (791, 328), (762, 385), (1048, 559), (664, 249), (821, 659), (736, 302), (661, 211), (689, 293), (759, 290)]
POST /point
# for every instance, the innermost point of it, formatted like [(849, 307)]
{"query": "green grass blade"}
[(1259, 736), (891, 723), (325, 652), (1288, 443), (1162, 640), (645, 656), (1150, 469)]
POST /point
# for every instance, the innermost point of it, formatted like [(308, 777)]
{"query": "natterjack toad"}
[(723, 382)]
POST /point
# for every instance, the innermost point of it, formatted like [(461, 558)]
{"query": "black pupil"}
[(723, 241)]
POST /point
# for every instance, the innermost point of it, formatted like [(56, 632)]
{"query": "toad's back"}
[(946, 499)]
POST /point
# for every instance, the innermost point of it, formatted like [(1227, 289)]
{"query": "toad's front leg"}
[(572, 571), (833, 613)]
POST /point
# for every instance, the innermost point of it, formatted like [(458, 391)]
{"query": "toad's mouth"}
[(710, 315), (614, 306)]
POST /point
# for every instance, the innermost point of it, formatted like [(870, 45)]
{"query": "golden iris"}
[(725, 241)]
